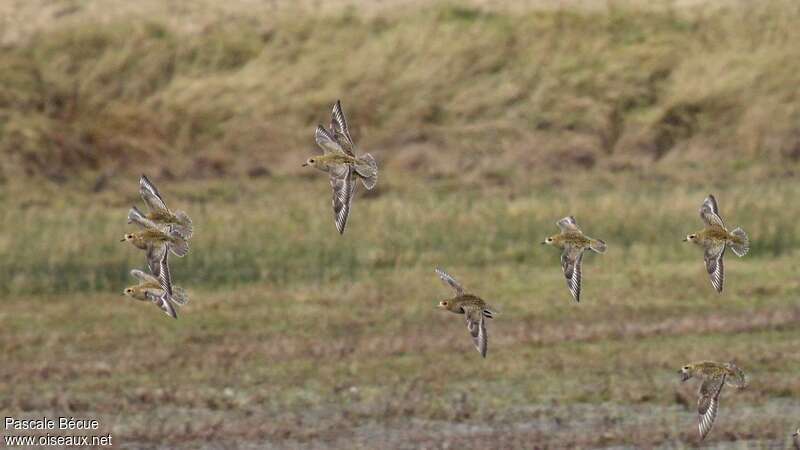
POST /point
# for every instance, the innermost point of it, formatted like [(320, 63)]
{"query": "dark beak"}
[(122, 240), (304, 165), (685, 240)]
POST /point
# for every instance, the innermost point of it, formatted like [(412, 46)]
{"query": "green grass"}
[(280, 232), (320, 338)]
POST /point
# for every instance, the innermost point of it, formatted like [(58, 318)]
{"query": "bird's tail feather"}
[(367, 168), (179, 246), (179, 295), (598, 246), (184, 227), (743, 245), (736, 376)]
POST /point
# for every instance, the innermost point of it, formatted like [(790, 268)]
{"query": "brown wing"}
[(144, 278), (150, 195), (708, 403), (571, 265), (164, 275), (709, 212), (714, 265), (163, 303), (343, 183), (476, 324), (155, 252), (450, 281), (136, 216), (326, 142), (340, 130), (568, 224)]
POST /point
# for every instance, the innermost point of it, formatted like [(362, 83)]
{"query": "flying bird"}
[(159, 215), (714, 377), (474, 309), (573, 243), (155, 241), (714, 238), (342, 165), (158, 290)]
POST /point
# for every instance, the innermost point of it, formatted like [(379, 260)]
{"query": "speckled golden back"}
[(573, 238), (459, 302)]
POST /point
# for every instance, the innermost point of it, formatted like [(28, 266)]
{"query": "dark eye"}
[(311, 161), (444, 303)]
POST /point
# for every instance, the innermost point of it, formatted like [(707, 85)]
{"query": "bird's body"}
[(462, 303), (573, 243), (150, 236), (571, 238), (342, 165), (474, 308), (158, 212), (715, 235), (714, 377), (714, 239), (156, 242), (330, 160), (158, 290)]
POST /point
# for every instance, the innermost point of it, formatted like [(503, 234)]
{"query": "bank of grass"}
[(297, 336), (280, 231), (370, 362), (439, 89)]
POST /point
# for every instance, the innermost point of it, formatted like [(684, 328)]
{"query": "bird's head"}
[(686, 372), (127, 237), (128, 292), (448, 305), (313, 161), (691, 238), (797, 433), (549, 241)]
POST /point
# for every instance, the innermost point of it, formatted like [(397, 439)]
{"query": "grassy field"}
[(298, 337), (490, 121)]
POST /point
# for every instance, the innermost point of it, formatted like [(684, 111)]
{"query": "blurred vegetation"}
[(301, 338), (438, 90), (489, 123), (271, 231)]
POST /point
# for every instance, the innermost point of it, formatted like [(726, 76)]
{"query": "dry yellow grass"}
[(231, 89)]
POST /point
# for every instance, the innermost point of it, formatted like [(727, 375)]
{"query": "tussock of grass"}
[(440, 90)]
